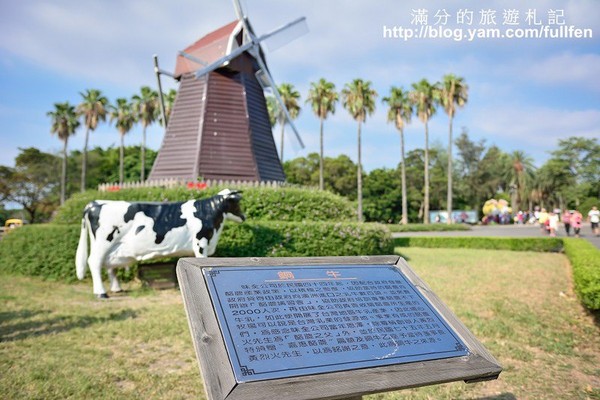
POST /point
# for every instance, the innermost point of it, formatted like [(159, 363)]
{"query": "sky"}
[(524, 93)]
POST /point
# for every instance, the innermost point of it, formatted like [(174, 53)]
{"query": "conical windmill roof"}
[(209, 48)]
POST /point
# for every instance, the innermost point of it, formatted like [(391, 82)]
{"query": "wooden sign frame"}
[(218, 375)]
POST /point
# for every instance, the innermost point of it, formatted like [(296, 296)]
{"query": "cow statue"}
[(122, 232)]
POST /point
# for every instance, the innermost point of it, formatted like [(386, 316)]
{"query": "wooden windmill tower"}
[(219, 127)]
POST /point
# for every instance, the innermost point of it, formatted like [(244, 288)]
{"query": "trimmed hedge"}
[(585, 259), (49, 250), (304, 239), (41, 250), (583, 256), (265, 204), (491, 243), (428, 227)]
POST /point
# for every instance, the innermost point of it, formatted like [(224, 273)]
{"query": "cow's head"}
[(231, 205)]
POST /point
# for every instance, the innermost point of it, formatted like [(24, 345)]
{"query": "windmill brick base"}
[(219, 129)]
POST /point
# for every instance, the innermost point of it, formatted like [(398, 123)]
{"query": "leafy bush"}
[(304, 239), (41, 250), (491, 243), (585, 259), (428, 227), (49, 250), (267, 204)]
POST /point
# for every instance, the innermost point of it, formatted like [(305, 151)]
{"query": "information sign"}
[(300, 320), (313, 328)]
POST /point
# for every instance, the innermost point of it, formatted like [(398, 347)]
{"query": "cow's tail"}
[(82, 248)]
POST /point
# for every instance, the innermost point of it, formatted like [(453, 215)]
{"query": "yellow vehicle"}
[(12, 223)]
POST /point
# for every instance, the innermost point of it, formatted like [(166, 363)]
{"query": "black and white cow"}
[(122, 232)]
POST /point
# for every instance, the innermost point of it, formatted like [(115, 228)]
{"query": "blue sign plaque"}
[(280, 322)]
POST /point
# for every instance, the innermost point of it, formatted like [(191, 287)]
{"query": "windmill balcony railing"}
[(192, 185)]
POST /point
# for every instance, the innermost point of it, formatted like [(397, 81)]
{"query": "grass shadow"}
[(501, 396), (28, 324), (596, 315)]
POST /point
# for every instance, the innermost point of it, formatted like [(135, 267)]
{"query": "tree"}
[(124, 117), (339, 173), (169, 98), (290, 97), (145, 106), (471, 182), (491, 174), (104, 164), (34, 182), (340, 176), (359, 99), (400, 112), (582, 157), (453, 92), (518, 173), (382, 191), (322, 97), (424, 96), (64, 125), (93, 110), (554, 182), (6, 174), (302, 170)]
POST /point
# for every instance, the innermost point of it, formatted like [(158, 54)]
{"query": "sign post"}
[(332, 327)]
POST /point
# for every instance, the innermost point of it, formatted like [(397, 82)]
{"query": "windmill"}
[(219, 127)]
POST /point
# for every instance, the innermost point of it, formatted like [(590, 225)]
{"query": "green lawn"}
[(57, 341)]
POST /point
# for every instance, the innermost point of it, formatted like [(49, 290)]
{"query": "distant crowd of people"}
[(499, 212), (549, 220)]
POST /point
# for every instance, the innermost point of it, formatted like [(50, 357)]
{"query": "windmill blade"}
[(239, 11), (286, 34), (223, 60), (248, 35), (248, 46), (192, 58), (267, 75), (262, 79)]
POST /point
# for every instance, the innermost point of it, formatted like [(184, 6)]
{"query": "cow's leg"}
[(95, 270), (200, 247), (114, 282)]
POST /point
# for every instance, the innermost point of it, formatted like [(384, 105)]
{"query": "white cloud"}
[(535, 123), (567, 69)]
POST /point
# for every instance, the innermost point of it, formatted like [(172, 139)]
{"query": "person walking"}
[(553, 223), (594, 219), (543, 219), (576, 219), (566, 220)]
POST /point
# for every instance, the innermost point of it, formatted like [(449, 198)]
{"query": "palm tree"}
[(272, 109), (146, 108), (64, 125), (169, 102), (424, 96), (124, 117), (93, 110), (290, 97), (322, 97), (359, 99), (518, 174), (453, 93), (400, 112)]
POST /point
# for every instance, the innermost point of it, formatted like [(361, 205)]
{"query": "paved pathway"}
[(504, 231)]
